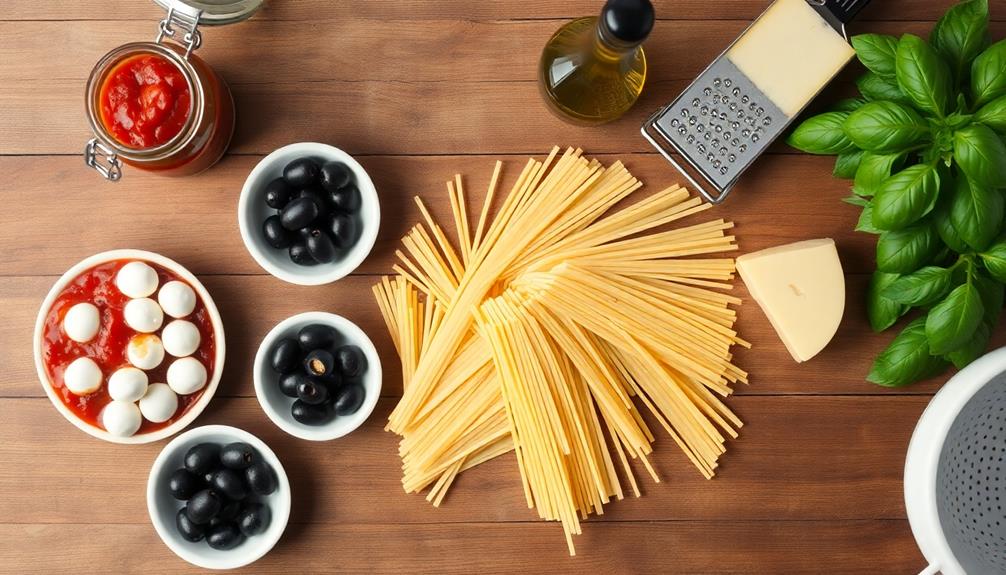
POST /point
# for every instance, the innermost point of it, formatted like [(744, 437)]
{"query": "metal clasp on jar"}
[(109, 165), (186, 19)]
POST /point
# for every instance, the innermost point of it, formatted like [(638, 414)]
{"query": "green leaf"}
[(988, 74), (976, 212), (994, 259), (847, 163), (821, 134), (904, 251), (992, 296), (865, 223), (877, 52), (961, 34), (973, 349), (872, 171), (849, 104), (950, 237), (885, 127), (906, 197), (921, 288), (923, 75), (993, 115), (981, 155), (951, 323), (906, 360), (856, 201), (875, 87), (882, 311)]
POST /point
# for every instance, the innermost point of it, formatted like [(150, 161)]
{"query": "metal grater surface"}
[(721, 123)]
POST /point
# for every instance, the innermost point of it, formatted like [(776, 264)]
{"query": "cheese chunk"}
[(801, 289)]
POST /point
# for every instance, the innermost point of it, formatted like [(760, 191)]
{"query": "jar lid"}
[(216, 12)]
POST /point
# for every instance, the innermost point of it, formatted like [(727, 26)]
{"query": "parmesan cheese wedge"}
[(801, 288)]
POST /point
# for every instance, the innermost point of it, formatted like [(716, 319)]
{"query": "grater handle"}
[(666, 153), (930, 570)]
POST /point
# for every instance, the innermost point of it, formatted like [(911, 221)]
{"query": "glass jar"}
[(202, 138)]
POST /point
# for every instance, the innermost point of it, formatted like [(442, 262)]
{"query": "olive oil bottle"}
[(593, 69)]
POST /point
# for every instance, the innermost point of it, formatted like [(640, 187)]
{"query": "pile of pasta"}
[(546, 330)]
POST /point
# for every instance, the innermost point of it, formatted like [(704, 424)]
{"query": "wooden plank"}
[(797, 458), (673, 548)]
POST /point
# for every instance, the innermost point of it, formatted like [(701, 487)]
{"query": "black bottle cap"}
[(628, 21)]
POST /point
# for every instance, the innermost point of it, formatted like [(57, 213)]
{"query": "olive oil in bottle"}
[(592, 70)]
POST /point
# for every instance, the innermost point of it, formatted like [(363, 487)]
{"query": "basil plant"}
[(924, 147)]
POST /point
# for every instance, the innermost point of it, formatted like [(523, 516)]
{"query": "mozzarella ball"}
[(145, 351), (186, 375), (159, 403), (137, 279), (177, 299), (82, 376), (121, 418), (81, 322), (127, 384), (143, 314), (181, 338)]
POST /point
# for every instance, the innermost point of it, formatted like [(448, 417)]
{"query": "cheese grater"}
[(723, 121)]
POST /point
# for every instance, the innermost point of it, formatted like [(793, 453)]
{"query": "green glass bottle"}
[(593, 69)]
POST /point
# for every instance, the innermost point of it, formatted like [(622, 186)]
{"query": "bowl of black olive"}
[(309, 213), (218, 497), (317, 376)]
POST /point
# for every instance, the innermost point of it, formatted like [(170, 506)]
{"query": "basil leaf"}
[(973, 349), (976, 212), (951, 323), (993, 115), (904, 251), (981, 155), (992, 297), (994, 259), (876, 52), (885, 127), (923, 75), (882, 311), (988, 74), (847, 163), (921, 288), (875, 87), (857, 201), (849, 104), (865, 223), (821, 134), (961, 34), (906, 360), (872, 171), (949, 235), (906, 197)]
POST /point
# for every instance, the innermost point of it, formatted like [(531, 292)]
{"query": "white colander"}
[(955, 472)]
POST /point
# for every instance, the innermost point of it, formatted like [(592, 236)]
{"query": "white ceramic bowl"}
[(277, 406), (163, 507), (252, 212), (218, 336)]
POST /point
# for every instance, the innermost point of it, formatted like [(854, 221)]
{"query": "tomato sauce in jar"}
[(145, 101), (108, 347)]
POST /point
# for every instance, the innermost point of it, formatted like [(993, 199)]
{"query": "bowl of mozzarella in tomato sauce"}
[(129, 346)]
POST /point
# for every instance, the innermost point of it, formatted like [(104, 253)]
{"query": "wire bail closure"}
[(181, 18), (109, 166)]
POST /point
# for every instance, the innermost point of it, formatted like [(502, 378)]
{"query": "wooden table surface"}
[(419, 90)]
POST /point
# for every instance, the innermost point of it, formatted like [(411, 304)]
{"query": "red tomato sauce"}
[(108, 348), (145, 101)]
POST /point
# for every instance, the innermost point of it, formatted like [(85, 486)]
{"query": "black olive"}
[(253, 519), (319, 362), (316, 336), (229, 512), (320, 246), (299, 213), (261, 478), (320, 198), (229, 483), (347, 200), (300, 256), (286, 355), (312, 393), (278, 194), (203, 506), (335, 175), (187, 529), (312, 414), (301, 172), (342, 230), (349, 399), (275, 234), (224, 536), (202, 458), (289, 382), (183, 484), (237, 455), (350, 361)]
